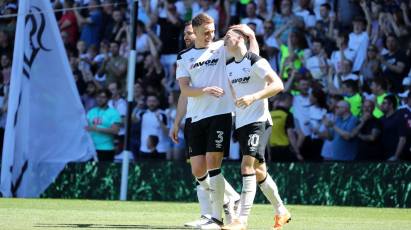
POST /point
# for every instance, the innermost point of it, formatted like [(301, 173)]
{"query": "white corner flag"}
[(45, 126)]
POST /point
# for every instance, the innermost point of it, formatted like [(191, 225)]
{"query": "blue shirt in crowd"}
[(345, 150)]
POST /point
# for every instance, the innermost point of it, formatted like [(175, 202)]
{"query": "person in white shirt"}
[(358, 41), (230, 195), (252, 81), (153, 123), (252, 17), (118, 103), (343, 53), (201, 74)]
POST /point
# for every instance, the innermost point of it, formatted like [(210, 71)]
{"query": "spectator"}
[(153, 122), (285, 20), (113, 31), (369, 135), (305, 13), (114, 66), (371, 66), (91, 26), (317, 63), (152, 143), (391, 123), (283, 140), (405, 133), (335, 81), (252, 16), (346, 11), (395, 64), (358, 41), (270, 47), (379, 91), (340, 131), (312, 144), (6, 47), (351, 95), (118, 103), (170, 34), (327, 152), (5, 67), (89, 97), (68, 23), (206, 6), (342, 54), (103, 125), (292, 52)]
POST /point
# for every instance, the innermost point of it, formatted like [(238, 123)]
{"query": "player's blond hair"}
[(201, 19)]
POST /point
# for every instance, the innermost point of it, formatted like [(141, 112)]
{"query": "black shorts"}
[(211, 134), (253, 139)]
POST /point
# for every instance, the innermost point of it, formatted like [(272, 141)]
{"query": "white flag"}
[(46, 122)]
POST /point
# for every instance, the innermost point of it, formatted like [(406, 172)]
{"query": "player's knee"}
[(247, 168), (198, 171), (214, 160), (260, 174)]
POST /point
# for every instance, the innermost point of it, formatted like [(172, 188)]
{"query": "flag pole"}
[(130, 96)]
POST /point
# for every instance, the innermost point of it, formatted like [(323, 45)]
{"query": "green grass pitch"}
[(31, 214)]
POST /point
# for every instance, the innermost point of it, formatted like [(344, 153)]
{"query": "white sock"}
[(203, 196), (270, 190), (247, 196), (216, 193), (229, 193)]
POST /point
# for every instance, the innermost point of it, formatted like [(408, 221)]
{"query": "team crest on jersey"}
[(210, 62), (241, 80), (191, 59), (246, 70), (230, 74)]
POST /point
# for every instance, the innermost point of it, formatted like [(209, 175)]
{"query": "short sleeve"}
[(182, 70), (261, 68)]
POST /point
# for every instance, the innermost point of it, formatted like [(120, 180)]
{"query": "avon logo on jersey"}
[(211, 62), (241, 80)]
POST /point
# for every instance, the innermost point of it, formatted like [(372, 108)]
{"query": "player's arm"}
[(181, 112), (274, 84), (246, 30), (189, 91)]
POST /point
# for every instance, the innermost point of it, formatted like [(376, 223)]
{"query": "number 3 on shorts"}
[(253, 140), (220, 139)]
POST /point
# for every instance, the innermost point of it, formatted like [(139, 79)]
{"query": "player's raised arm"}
[(247, 31)]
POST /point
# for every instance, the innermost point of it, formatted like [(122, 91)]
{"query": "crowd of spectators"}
[(345, 65)]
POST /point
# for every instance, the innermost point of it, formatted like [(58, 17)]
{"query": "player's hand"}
[(174, 133), (245, 101), (246, 30), (214, 91)]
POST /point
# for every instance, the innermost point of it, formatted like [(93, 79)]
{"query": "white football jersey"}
[(206, 67), (248, 77)]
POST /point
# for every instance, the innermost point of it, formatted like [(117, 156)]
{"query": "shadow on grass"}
[(106, 226)]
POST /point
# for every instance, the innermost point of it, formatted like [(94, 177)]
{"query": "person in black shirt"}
[(369, 133), (391, 122), (404, 144), (394, 64)]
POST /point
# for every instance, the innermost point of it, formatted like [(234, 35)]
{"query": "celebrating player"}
[(201, 74), (231, 197), (253, 81)]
